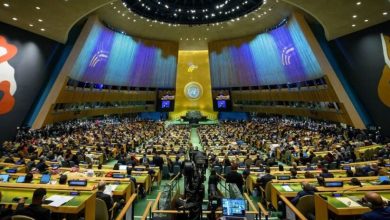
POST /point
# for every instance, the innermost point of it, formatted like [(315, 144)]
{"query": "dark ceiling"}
[(192, 12)]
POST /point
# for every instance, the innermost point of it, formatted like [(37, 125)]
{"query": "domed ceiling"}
[(54, 19), (192, 12)]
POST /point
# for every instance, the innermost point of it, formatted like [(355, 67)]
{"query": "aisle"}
[(194, 139)]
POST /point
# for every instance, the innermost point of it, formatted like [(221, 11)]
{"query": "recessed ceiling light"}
[(31, 25), (40, 20), (42, 29), (358, 3), (353, 25), (366, 20), (15, 19), (38, 8), (354, 16), (6, 5), (384, 13)]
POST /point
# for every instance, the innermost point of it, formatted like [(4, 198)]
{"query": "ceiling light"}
[(31, 25), (353, 25), (38, 8), (40, 20), (42, 29), (354, 16), (358, 3), (15, 19), (384, 13), (6, 5), (366, 20)]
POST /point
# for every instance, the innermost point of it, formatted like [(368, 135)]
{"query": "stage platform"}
[(180, 122)]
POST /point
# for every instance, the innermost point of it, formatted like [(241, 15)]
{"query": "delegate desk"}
[(20, 168), (290, 190), (85, 201), (343, 206), (359, 151), (123, 187), (251, 179), (142, 178)]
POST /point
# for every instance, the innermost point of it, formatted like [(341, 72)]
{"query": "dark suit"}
[(234, 177), (106, 198), (33, 211), (5, 213), (376, 214), (265, 179), (300, 194)]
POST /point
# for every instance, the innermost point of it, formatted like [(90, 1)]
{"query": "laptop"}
[(45, 179), (4, 177), (233, 208), (21, 179), (383, 179)]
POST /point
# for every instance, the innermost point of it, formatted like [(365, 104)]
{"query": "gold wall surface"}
[(193, 70)]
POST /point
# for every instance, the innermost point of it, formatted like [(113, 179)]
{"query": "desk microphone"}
[(346, 190)]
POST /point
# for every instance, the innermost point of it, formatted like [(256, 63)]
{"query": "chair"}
[(21, 217), (101, 212), (266, 194), (306, 206)]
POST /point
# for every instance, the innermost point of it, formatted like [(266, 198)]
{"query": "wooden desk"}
[(277, 189), (332, 204), (124, 189), (251, 179), (86, 200)]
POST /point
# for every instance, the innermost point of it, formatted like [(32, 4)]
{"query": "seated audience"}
[(307, 189), (377, 206), (35, 209)]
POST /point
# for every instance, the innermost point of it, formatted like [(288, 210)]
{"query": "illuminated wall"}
[(113, 58), (279, 56), (193, 85)]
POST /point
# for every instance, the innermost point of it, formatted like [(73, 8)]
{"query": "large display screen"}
[(221, 100), (165, 101)]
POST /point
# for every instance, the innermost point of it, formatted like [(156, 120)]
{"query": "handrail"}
[(293, 208), (128, 204), (155, 205), (224, 186), (253, 207), (147, 211), (174, 179), (263, 210), (222, 178)]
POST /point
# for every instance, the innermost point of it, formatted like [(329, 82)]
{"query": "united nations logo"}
[(193, 90)]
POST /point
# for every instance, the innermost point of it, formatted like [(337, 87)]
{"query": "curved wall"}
[(279, 56), (113, 58)]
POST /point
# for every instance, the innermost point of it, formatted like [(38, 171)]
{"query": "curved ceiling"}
[(54, 19), (192, 12), (268, 15)]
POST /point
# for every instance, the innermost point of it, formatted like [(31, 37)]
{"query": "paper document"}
[(59, 200), (348, 202), (287, 188), (113, 187)]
